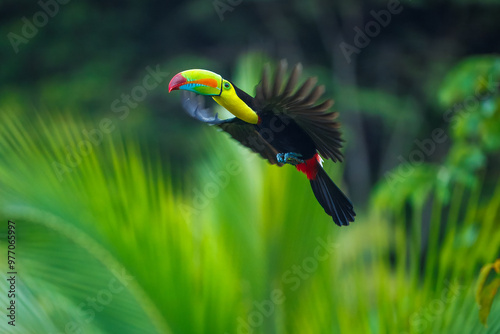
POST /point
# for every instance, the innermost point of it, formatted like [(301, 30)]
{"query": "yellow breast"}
[(230, 100)]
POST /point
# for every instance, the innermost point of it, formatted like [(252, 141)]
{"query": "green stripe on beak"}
[(201, 82)]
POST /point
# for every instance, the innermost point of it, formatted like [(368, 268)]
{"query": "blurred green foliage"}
[(91, 52), (206, 254), (488, 284), (153, 223)]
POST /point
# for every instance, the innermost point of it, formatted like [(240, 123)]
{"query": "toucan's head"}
[(201, 82), (208, 83)]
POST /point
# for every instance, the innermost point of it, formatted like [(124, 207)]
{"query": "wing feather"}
[(246, 134), (278, 78), (292, 81)]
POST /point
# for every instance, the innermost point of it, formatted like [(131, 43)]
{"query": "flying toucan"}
[(283, 123)]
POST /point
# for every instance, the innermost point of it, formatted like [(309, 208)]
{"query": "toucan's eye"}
[(227, 85)]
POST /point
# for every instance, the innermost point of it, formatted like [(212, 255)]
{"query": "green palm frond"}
[(239, 245)]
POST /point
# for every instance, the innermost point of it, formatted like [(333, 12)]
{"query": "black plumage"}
[(291, 119)]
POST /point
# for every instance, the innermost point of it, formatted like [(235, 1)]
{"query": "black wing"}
[(301, 104), (239, 130), (246, 134)]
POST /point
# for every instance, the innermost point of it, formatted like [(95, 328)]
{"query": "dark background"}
[(94, 51), (146, 208)]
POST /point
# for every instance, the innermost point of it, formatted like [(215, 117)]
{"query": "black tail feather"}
[(332, 199)]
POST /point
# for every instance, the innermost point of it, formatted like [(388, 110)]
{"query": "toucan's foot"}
[(289, 158)]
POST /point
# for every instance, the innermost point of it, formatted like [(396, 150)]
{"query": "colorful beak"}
[(201, 82)]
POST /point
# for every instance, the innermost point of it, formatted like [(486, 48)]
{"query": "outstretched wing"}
[(301, 104), (239, 130), (246, 134)]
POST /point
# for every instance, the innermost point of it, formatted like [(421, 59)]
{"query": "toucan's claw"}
[(290, 158)]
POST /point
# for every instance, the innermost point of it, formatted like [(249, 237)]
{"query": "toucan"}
[(284, 123)]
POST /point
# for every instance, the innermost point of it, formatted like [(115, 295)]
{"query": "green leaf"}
[(488, 284), (470, 79)]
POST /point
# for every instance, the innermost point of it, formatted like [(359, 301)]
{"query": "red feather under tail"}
[(310, 167)]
